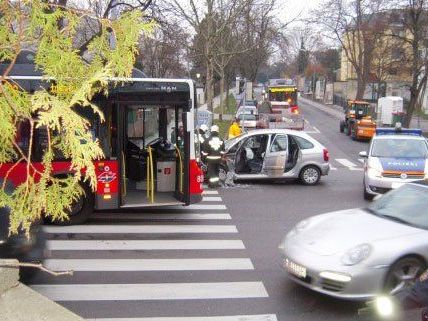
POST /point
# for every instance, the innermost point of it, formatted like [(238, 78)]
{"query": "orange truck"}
[(358, 122)]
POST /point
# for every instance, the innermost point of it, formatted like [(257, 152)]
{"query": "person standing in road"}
[(213, 150), (234, 129)]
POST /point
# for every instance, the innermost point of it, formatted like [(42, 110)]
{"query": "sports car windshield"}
[(399, 148), (407, 204)]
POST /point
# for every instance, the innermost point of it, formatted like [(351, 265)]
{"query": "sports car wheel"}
[(310, 175), (403, 274)]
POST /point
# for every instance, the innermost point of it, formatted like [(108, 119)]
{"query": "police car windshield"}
[(399, 148), (407, 204)]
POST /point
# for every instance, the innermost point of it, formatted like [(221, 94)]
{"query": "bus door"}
[(153, 144)]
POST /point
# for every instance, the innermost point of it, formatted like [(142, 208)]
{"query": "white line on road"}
[(149, 264), (143, 216), (159, 291), (210, 193), (261, 317), (345, 162), (131, 245), (361, 160), (333, 168), (140, 229), (211, 199), (204, 207)]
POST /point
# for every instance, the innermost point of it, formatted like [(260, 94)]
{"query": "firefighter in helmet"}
[(213, 150)]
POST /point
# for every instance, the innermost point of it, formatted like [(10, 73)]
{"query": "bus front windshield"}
[(286, 96)]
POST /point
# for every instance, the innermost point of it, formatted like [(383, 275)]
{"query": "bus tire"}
[(80, 209)]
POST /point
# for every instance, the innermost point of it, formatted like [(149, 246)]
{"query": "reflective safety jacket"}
[(234, 130), (213, 147)]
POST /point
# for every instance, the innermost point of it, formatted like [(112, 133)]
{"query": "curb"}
[(20, 303)]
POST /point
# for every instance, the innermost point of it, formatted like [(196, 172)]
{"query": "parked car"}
[(248, 103), (275, 154), (247, 121), (252, 110), (395, 157), (359, 253)]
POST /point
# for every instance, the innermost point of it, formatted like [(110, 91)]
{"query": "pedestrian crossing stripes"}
[(152, 291), (190, 256), (139, 229), (205, 207), (260, 317), (163, 216), (209, 192), (79, 265), (345, 163), (211, 199), (149, 245)]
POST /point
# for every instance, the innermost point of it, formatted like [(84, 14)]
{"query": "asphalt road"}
[(217, 261)]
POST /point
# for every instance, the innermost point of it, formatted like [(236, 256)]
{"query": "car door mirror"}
[(363, 154)]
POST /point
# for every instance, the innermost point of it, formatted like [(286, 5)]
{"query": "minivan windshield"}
[(399, 148)]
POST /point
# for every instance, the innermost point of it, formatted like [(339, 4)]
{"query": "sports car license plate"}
[(295, 269)]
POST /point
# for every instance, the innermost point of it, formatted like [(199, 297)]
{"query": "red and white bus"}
[(148, 142)]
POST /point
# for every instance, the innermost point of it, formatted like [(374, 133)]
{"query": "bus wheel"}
[(80, 210)]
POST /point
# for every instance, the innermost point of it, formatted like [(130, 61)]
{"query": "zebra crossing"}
[(175, 264), (343, 163)]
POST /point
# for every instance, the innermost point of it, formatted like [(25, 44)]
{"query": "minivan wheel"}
[(310, 175)]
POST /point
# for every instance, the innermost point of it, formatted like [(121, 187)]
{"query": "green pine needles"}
[(53, 33)]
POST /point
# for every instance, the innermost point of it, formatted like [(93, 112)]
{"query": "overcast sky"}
[(291, 8)]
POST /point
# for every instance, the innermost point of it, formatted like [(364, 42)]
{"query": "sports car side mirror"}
[(363, 154)]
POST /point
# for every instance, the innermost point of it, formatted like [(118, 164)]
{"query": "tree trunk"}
[(221, 95), (361, 88), (210, 86)]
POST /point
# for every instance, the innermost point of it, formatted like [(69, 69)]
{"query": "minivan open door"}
[(276, 156)]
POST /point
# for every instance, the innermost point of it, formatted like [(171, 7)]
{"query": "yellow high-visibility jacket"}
[(234, 130)]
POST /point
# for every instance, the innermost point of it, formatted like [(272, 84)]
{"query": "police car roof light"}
[(399, 131)]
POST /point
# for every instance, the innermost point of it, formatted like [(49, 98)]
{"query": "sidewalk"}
[(337, 112)]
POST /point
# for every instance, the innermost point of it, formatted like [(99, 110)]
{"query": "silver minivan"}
[(274, 154)]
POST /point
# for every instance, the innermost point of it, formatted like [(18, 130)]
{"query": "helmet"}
[(214, 128), (204, 128)]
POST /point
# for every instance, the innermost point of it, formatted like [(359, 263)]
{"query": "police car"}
[(396, 156)]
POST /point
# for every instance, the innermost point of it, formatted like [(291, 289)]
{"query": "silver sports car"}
[(359, 253)]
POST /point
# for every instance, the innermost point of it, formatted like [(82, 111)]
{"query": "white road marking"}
[(361, 160), (346, 163), (261, 317), (149, 264), (210, 193), (205, 207), (139, 229), (211, 199), (131, 245), (356, 169), (142, 216), (159, 291), (333, 168)]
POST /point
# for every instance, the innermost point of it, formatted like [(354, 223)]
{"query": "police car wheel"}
[(80, 210), (310, 175), (403, 274)]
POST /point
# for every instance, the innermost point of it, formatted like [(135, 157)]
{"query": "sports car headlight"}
[(356, 254)]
